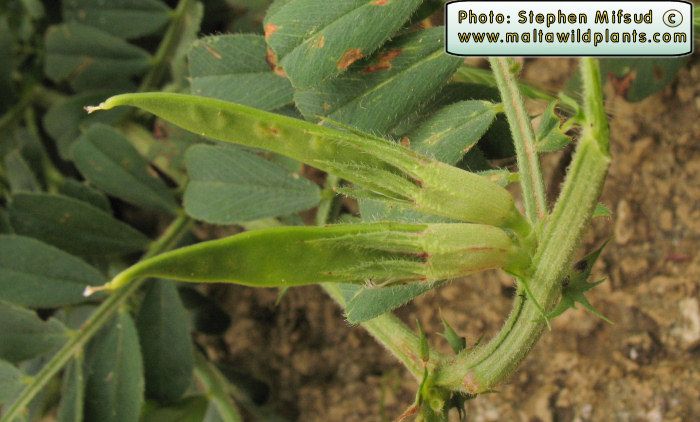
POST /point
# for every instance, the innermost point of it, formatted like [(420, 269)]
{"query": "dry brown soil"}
[(645, 367)]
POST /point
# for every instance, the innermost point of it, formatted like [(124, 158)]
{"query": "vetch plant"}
[(362, 92)]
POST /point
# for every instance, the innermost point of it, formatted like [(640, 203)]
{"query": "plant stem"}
[(167, 48), (102, 315), (524, 139), (483, 369)]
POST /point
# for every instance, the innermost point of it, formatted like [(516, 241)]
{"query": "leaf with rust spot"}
[(414, 68), (238, 68), (350, 30)]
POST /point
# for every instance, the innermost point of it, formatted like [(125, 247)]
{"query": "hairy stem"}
[(102, 315), (483, 369), (531, 179)]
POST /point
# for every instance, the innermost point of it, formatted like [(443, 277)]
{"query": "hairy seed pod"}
[(383, 169), (379, 253)]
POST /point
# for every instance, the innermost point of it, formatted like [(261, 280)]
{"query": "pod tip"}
[(91, 290), (92, 109)]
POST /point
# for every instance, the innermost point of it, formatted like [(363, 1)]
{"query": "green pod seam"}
[(387, 169), (378, 253)]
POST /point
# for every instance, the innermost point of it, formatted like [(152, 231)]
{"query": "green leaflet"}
[(375, 95), (383, 169), (166, 347), (24, 335), (453, 130), (312, 42), (377, 254), (107, 159), (371, 302), (91, 59), (114, 389), (72, 392), (19, 174), (72, 225), (85, 193), (121, 18), (230, 185), (38, 275), (233, 68), (10, 382)]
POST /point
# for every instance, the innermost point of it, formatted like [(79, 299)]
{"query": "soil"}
[(645, 367)]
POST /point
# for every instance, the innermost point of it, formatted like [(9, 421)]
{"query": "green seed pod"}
[(381, 169), (380, 253)]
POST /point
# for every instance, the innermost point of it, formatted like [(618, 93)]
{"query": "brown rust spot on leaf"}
[(270, 29), (383, 61), (271, 59), (319, 42), (380, 2), (349, 57), (213, 52), (405, 141)]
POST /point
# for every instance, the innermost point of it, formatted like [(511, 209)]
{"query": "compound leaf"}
[(72, 225), (164, 333), (230, 185), (38, 275), (115, 384), (312, 42), (121, 18), (233, 68), (24, 335), (107, 159)]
